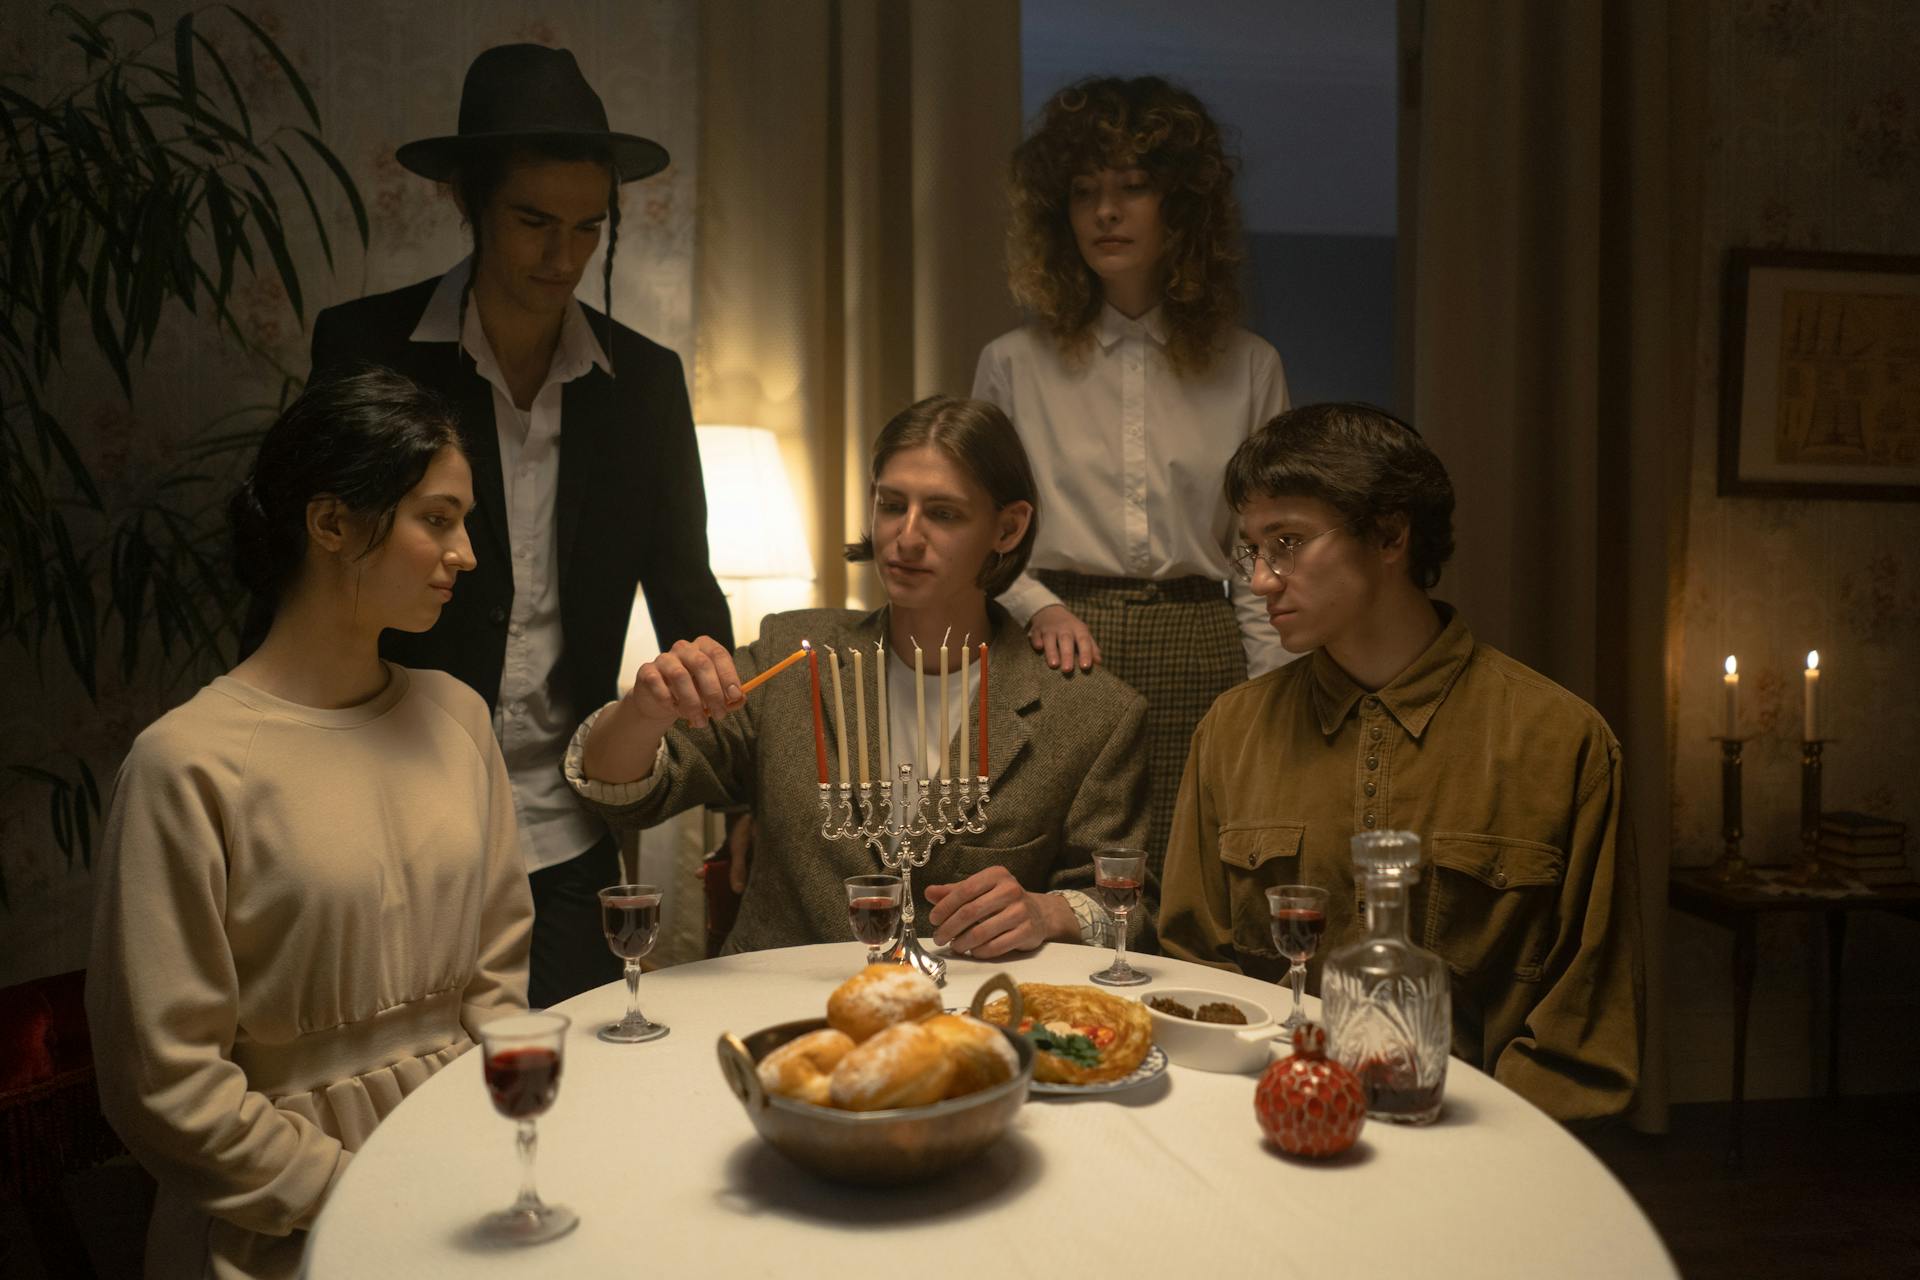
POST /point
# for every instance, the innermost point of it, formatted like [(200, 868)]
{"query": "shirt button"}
[(1375, 733), (1369, 817), (1369, 702), (1369, 788), (1373, 762), (1499, 879), (498, 615)]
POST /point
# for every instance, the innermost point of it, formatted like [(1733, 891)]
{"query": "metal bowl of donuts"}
[(859, 1097)]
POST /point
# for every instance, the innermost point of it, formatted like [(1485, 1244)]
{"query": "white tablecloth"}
[(1170, 1179)]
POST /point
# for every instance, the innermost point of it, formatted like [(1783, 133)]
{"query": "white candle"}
[(1811, 731), (938, 766), (919, 709), (1732, 682), (839, 716), (964, 703), (860, 710), (881, 714)]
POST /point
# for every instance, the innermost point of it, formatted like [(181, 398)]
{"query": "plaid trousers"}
[(1178, 644)]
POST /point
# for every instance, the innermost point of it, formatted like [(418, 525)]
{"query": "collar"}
[(578, 351), (1411, 697), (1111, 326)]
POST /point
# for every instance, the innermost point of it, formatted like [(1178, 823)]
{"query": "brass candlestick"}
[(1731, 868), (1809, 869)]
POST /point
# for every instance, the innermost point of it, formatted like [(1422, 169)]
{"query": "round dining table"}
[(1170, 1178)]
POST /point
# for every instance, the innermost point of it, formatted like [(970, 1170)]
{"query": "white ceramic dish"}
[(1213, 1046)]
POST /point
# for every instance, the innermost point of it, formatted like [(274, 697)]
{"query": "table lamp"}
[(756, 543)]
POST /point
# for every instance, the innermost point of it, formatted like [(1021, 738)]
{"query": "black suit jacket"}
[(630, 510)]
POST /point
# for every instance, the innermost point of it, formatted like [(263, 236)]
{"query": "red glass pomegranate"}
[(1308, 1104)]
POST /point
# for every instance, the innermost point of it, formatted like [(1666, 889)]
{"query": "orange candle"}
[(819, 729), (983, 711), (772, 671)]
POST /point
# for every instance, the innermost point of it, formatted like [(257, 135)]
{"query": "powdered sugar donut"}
[(881, 996), (903, 1066), (801, 1067)]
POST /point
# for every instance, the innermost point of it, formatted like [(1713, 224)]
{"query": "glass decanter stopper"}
[(1388, 1005)]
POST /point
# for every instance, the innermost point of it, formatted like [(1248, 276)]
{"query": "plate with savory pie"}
[(1085, 1040)]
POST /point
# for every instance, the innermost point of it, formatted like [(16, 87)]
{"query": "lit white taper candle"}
[(1810, 732), (1732, 683)]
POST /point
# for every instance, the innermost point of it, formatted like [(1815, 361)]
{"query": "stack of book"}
[(1871, 850)]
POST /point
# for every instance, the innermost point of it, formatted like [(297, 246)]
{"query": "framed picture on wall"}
[(1820, 376)]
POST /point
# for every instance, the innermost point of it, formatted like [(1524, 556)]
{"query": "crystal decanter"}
[(1387, 1002)]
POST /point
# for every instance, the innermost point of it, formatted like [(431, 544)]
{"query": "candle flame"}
[(1732, 666), (808, 644), (1813, 659)]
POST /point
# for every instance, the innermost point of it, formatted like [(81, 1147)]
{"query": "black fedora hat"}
[(530, 94)]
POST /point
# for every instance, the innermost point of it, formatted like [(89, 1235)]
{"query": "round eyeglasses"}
[(1278, 553)]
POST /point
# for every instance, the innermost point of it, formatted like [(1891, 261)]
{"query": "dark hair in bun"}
[(365, 436)]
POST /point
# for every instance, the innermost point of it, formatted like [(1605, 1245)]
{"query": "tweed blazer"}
[(1067, 760), (631, 508)]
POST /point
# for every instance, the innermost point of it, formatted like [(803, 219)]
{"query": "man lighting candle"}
[(952, 521)]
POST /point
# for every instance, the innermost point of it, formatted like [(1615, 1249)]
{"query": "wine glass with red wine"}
[(630, 917), (873, 906), (1299, 918), (1117, 877), (522, 1065)]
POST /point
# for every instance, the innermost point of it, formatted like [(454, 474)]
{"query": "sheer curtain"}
[(849, 227), (1549, 210)]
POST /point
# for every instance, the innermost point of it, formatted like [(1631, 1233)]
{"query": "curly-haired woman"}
[(1131, 386)]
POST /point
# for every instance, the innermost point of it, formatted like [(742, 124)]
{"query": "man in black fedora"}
[(586, 473)]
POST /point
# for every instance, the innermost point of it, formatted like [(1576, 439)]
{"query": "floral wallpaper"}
[(381, 74), (1813, 142)]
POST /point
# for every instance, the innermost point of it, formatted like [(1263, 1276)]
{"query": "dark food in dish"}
[(1221, 1011)]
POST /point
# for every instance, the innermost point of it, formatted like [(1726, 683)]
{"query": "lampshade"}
[(753, 522)]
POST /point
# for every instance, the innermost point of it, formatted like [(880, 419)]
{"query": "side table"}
[(1695, 891)]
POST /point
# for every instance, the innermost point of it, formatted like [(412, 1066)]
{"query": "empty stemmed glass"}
[(630, 917), (1299, 918), (873, 906), (1117, 876), (522, 1066)]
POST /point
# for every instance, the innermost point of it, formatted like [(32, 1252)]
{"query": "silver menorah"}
[(904, 832)]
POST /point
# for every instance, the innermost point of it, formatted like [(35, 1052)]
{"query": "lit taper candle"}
[(1810, 732), (1732, 683)]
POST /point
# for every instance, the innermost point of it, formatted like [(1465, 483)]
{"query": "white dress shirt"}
[(1129, 457), (530, 716)]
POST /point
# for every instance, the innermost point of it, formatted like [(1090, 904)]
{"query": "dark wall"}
[(1326, 304)]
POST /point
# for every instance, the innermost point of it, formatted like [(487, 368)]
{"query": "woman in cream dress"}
[(310, 894)]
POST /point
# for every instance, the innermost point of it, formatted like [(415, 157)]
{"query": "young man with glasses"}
[(1399, 718)]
